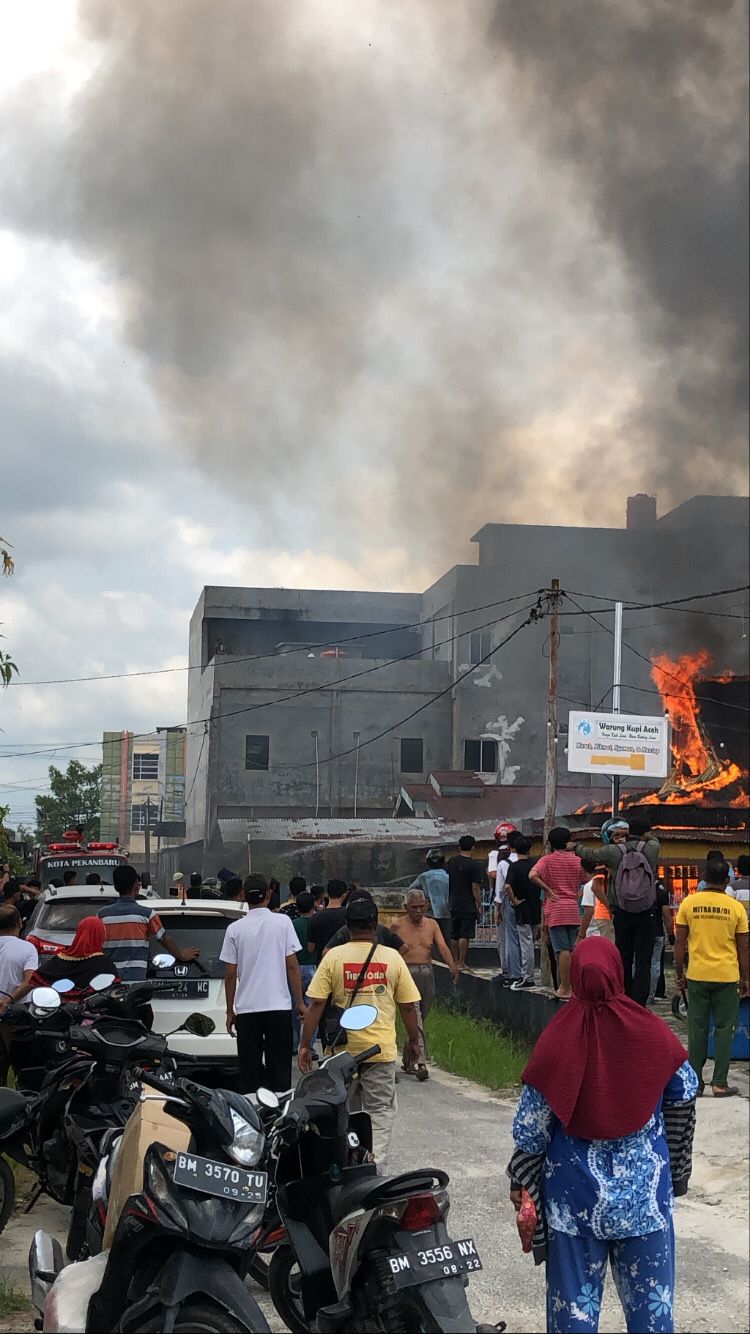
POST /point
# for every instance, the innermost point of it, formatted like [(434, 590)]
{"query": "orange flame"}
[(697, 769)]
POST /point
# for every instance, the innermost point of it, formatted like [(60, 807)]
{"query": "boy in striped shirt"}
[(129, 926)]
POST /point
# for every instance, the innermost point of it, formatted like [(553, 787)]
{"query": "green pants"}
[(720, 999)]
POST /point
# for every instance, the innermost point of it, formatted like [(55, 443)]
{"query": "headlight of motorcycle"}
[(247, 1146)]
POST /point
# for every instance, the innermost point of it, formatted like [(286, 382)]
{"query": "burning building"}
[(331, 703)]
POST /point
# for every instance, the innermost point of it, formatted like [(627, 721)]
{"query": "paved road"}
[(462, 1128)]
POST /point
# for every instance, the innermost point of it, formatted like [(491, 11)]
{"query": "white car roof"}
[(103, 891), (225, 907)]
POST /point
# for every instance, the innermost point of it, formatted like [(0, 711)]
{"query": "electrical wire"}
[(285, 699), (535, 614), (708, 699), (303, 648)]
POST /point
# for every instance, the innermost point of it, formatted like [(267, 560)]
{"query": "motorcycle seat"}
[(13, 1109), (369, 1191)]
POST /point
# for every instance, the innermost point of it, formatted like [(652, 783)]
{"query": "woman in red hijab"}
[(80, 961), (603, 1133)]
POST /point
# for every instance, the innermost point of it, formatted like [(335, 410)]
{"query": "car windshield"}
[(54, 868), (206, 930), (64, 914)]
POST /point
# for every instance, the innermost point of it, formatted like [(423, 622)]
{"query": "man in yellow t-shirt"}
[(387, 984), (713, 928)]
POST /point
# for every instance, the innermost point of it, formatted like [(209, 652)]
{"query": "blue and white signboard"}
[(618, 743)]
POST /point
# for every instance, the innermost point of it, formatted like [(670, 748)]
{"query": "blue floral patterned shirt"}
[(606, 1188)]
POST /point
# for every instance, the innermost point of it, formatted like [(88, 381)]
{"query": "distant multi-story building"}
[(143, 786), (327, 703)]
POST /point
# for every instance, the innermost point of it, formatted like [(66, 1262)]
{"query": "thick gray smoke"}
[(397, 270), (649, 100)]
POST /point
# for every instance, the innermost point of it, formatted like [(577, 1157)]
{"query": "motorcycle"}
[(183, 1202), (88, 1089), (362, 1251)]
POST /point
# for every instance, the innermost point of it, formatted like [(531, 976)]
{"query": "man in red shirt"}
[(559, 876)]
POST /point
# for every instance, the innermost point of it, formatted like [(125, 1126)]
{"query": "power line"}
[(669, 604), (709, 699), (262, 657), (535, 614), (285, 699)]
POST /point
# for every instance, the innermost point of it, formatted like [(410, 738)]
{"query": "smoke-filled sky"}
[(305, 291)]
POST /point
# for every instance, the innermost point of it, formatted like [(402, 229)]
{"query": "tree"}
[(7, 855), (7, 665), (75, 799)]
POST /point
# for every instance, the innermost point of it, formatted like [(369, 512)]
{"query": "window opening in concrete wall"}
[(480, 645), (412, 755), (480, 756), (138, 817), (256, 752), (145, 765)]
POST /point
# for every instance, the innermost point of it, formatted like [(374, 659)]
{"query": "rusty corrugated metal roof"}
[(368, 830)]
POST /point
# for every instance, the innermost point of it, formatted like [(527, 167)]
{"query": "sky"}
[(303, 293)]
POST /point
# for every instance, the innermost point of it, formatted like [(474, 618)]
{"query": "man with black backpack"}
[(632, 858)]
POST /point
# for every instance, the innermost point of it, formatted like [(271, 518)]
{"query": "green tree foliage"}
[(7, 855), (74, 799)]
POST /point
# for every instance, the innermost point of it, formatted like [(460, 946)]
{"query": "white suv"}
[(201, 922), (199, 984)]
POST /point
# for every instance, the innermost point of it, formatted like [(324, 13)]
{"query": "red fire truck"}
[(73, 854)]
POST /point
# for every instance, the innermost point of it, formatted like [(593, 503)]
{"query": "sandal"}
[(725, 1090)]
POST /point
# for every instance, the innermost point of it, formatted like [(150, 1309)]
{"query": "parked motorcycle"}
[(362, 1251), (89, 1087), (179, 1243)]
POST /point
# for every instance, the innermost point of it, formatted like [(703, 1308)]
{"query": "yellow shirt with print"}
[(388, 983), (713, 921)]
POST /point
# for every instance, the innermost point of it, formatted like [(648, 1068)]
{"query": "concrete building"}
[(283, 679), (143, 784)]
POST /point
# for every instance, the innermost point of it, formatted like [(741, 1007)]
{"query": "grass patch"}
[(473, 1048), (12, 1300)]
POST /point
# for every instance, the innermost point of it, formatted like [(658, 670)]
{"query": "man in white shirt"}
[(260, 952), (497, 871), (18, 961)]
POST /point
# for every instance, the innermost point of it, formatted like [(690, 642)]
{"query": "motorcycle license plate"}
[(419, 1266), (178, 989), (212, 1178)]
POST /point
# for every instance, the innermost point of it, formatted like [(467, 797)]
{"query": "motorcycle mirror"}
[(101, 981), (63, 985), (358, 1016), (199, 1025), (163, 960), (265, 1098), (45, 998)]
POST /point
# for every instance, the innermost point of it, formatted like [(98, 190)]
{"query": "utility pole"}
[(616, 679), (550, 777), (147, 838)]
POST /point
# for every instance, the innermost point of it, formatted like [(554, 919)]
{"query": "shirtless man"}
[(419, 934)]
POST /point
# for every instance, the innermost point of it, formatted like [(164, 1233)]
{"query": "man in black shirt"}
[(465, 878), (297, 886), (323, 925), (383, 934), (525, 895), (664, 927)]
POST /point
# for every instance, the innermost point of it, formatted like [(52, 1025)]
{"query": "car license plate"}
[(419, 1266), (181, 988), (212, 1178)]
